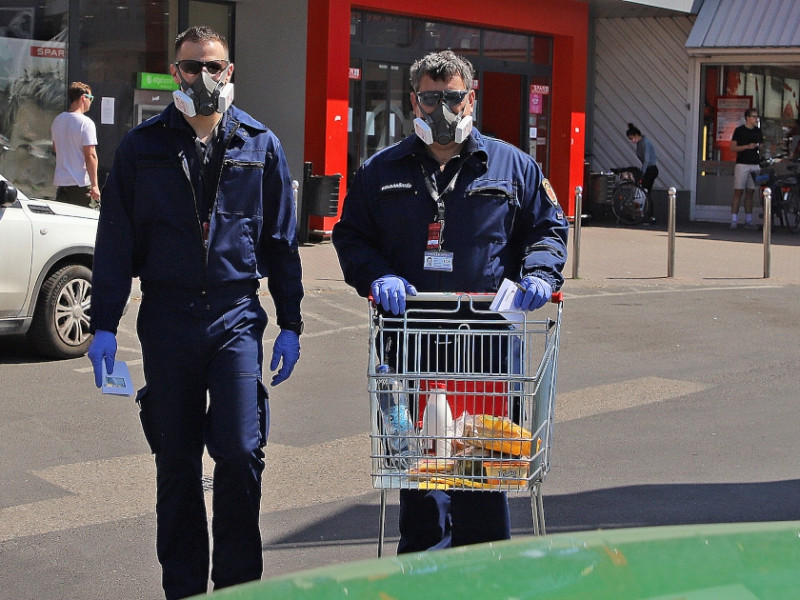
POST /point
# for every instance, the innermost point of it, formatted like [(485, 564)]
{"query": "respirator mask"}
[(205, 96), (442, 125)]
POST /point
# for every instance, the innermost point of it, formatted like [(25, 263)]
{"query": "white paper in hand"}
[(503, 302), (119, 381)]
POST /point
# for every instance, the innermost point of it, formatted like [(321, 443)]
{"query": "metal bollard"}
[(671, 234), (767, 230), (576, 235)]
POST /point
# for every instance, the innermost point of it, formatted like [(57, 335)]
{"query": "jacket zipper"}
[(203, 244)]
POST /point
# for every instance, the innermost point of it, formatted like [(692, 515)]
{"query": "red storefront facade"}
[(329, 107)]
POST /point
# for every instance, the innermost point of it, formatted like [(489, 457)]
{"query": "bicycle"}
[(790, 199), (785, 190), (629, 200)]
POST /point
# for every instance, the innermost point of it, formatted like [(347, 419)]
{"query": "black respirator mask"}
[(204, 97), (443, 126)]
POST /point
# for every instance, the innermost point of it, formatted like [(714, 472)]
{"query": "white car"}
[(46, 253)]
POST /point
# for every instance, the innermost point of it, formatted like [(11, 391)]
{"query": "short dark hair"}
[(441, 66), (750, 112), (200, 34)]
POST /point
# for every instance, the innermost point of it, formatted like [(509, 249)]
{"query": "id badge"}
[(438, 260)]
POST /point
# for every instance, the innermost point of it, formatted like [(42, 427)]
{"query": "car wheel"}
[(60, 327)]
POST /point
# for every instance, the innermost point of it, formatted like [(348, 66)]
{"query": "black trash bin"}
[(320, 199), (323, 194)]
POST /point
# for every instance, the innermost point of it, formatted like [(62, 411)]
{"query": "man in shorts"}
[(745, 142)]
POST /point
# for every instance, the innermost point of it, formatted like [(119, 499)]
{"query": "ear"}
[(471, 102), (173, 70), (229, 74), (414, 105)]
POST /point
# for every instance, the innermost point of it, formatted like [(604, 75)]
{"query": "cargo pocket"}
[(144, 416), (263, 414)]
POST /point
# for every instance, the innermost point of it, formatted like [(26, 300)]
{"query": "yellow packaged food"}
[(498, 433), (507, 473)]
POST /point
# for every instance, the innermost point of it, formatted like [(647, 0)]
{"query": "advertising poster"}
[(729, 115), (32, 93)]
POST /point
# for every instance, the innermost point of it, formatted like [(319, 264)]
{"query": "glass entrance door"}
[(387, 116)]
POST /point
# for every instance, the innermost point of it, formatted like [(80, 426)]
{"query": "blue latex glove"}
[(390, 292), (537, 293), (103, 347), (287, 347)]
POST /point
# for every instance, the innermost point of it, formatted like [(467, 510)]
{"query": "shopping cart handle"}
[(450, 296), (556, 298)]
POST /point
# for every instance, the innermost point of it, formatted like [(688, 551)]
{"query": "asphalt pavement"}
[(676, 403)]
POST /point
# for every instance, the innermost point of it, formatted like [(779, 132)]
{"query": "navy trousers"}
[(434, 520), (203, 364)]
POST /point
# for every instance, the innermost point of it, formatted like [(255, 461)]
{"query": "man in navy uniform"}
[(199, 206), (448, 209)]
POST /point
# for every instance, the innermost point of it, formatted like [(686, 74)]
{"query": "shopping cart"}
[(480, 391)]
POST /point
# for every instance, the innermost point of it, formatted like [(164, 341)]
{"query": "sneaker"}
[(750, 226), (734, 225)]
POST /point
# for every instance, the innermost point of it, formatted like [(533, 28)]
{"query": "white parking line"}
[(113, 489)]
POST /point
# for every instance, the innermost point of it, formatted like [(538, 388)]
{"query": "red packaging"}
[(474, 397)]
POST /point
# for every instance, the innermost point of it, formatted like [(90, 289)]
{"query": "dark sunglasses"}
[(193, 67), (451, 97)]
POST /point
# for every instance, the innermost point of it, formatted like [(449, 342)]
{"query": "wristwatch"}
[(296, 326)]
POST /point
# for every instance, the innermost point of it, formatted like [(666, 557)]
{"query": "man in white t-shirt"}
[(74, 141)]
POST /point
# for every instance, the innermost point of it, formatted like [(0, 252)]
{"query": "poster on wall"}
[(729, 115), (32, 93)]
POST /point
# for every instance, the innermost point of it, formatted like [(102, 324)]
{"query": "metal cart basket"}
[(479, 389)]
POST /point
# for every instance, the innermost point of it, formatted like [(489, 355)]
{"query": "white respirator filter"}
[(423, 131)]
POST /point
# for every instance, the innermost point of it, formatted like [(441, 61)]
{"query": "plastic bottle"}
[(437, 421), (401, 446)]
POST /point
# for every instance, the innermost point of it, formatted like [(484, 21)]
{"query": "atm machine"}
[(148, 103)]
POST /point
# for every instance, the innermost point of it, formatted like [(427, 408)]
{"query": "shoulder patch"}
[(550, 192)]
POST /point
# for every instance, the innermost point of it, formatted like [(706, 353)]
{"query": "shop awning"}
[(746, 26)]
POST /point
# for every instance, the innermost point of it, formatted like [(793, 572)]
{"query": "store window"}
[(217, 15), (774, 91), (505, 46), (118, 48), (33, 59), (441, 36)]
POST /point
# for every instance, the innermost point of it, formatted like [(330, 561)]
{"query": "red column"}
[(327, 66)]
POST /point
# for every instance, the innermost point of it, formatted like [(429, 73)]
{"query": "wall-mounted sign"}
[(536, 104), (155, 81)]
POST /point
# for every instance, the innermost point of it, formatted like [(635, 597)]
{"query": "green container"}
[(688, 562)]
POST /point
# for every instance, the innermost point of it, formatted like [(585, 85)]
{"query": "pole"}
[(671, 234), (576, 234), (767, 229)]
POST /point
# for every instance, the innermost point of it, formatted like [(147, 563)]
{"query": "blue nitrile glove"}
[(537, 293), (390, 292), (103, 347), (287, 347)]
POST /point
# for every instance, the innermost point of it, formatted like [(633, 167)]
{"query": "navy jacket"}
[(150, 217), (500, 221)]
